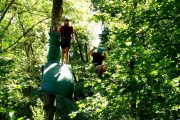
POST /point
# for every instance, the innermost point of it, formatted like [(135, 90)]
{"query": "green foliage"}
[(38, 110), (143, 50), (22, 39), (142, 41)]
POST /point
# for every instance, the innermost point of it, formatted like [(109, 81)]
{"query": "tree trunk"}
[(80, 50), (133, 62), (50, 98), (86, 52), (57, 11)]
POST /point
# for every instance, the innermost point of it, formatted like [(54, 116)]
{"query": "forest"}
[(141, 39)]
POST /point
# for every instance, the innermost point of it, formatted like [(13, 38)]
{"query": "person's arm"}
[(104, 54), (62, 31), (90, 52), (73, 36), (59, 28)]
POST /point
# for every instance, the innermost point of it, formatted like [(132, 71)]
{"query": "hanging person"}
[(98, 58), (67, 35)]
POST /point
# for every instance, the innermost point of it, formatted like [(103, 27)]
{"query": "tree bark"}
[(49, 99), (57, 11)]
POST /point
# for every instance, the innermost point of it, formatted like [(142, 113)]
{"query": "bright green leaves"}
[(142, 40), (22, 40), (92, 106), (128, 43), (2, 5), (20, 19)]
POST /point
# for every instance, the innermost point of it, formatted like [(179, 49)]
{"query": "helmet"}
[(66, 18), (100, 49)]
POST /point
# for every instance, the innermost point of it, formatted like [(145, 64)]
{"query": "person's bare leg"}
[(101, 70), (104, 69), (63, 54), (67, 55)]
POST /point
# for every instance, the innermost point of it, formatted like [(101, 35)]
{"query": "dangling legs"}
[(101, 70)]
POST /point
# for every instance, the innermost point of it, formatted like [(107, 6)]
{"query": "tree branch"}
[(24, 34), (9, 23), (4, 13)]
